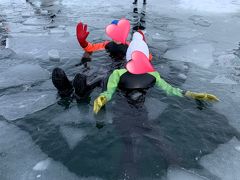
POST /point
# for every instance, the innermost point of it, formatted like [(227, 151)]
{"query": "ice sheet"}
[(18, 105), (22, 74), (199, 54), (182, 174), (224, 162), (24, 160)]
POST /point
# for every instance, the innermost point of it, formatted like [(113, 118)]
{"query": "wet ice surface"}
[(195, 47)]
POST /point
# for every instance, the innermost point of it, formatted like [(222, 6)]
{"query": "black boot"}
[(80, 86), (61, 82), (135, 2)]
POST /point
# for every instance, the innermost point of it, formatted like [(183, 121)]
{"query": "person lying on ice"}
[(139, 75)]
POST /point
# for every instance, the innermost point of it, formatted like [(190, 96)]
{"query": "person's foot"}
[(61, 82), (80, 86), (135, 2)]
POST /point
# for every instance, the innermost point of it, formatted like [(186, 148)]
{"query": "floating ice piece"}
[(54, 55), (73, 135), (222, 79), (199, 54), (42, 165), (224, 162), (74, 115), (182, 76), (22, 155), (181, 174), (18, 105), (22, 74), (154, 107)]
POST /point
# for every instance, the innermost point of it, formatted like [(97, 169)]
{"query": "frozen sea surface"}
[(195, 46)]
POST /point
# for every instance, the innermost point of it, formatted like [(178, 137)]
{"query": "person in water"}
[(116, 48), (139, 75)]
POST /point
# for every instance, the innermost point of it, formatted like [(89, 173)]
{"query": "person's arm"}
[(178, 92), (95, 47), (170, 90), (82, 34), (112, 85)]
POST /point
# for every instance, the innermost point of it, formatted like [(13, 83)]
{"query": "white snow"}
[(73, 135), (22, 74), (18, 105), (211, 6), (225, 161), (199, 54)]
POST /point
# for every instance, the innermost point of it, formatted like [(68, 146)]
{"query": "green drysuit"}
[(160, 83)]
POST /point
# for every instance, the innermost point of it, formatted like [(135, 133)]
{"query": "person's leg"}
[(135, 2), (144, 1), (61, 82)]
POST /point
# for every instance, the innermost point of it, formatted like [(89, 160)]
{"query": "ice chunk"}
[(40, 45), (18, 105), (74, 114), (54, 55), (181, 174), (224, 162), (22, 74), (42, 165), (182, 76), (72, 135), (23, 160), (222, 79), (154, 107), (199, 54)]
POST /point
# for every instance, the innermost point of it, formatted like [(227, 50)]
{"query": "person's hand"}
[(85, 59), (99, 103), (202, 96), (82, 34)]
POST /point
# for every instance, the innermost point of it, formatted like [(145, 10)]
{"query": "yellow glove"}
[(201, 96), (99, 103)]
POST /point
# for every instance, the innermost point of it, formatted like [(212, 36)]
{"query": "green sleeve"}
[(165, 86), (113, 83)]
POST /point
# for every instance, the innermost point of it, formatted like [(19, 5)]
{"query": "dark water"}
[(122, 142)]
